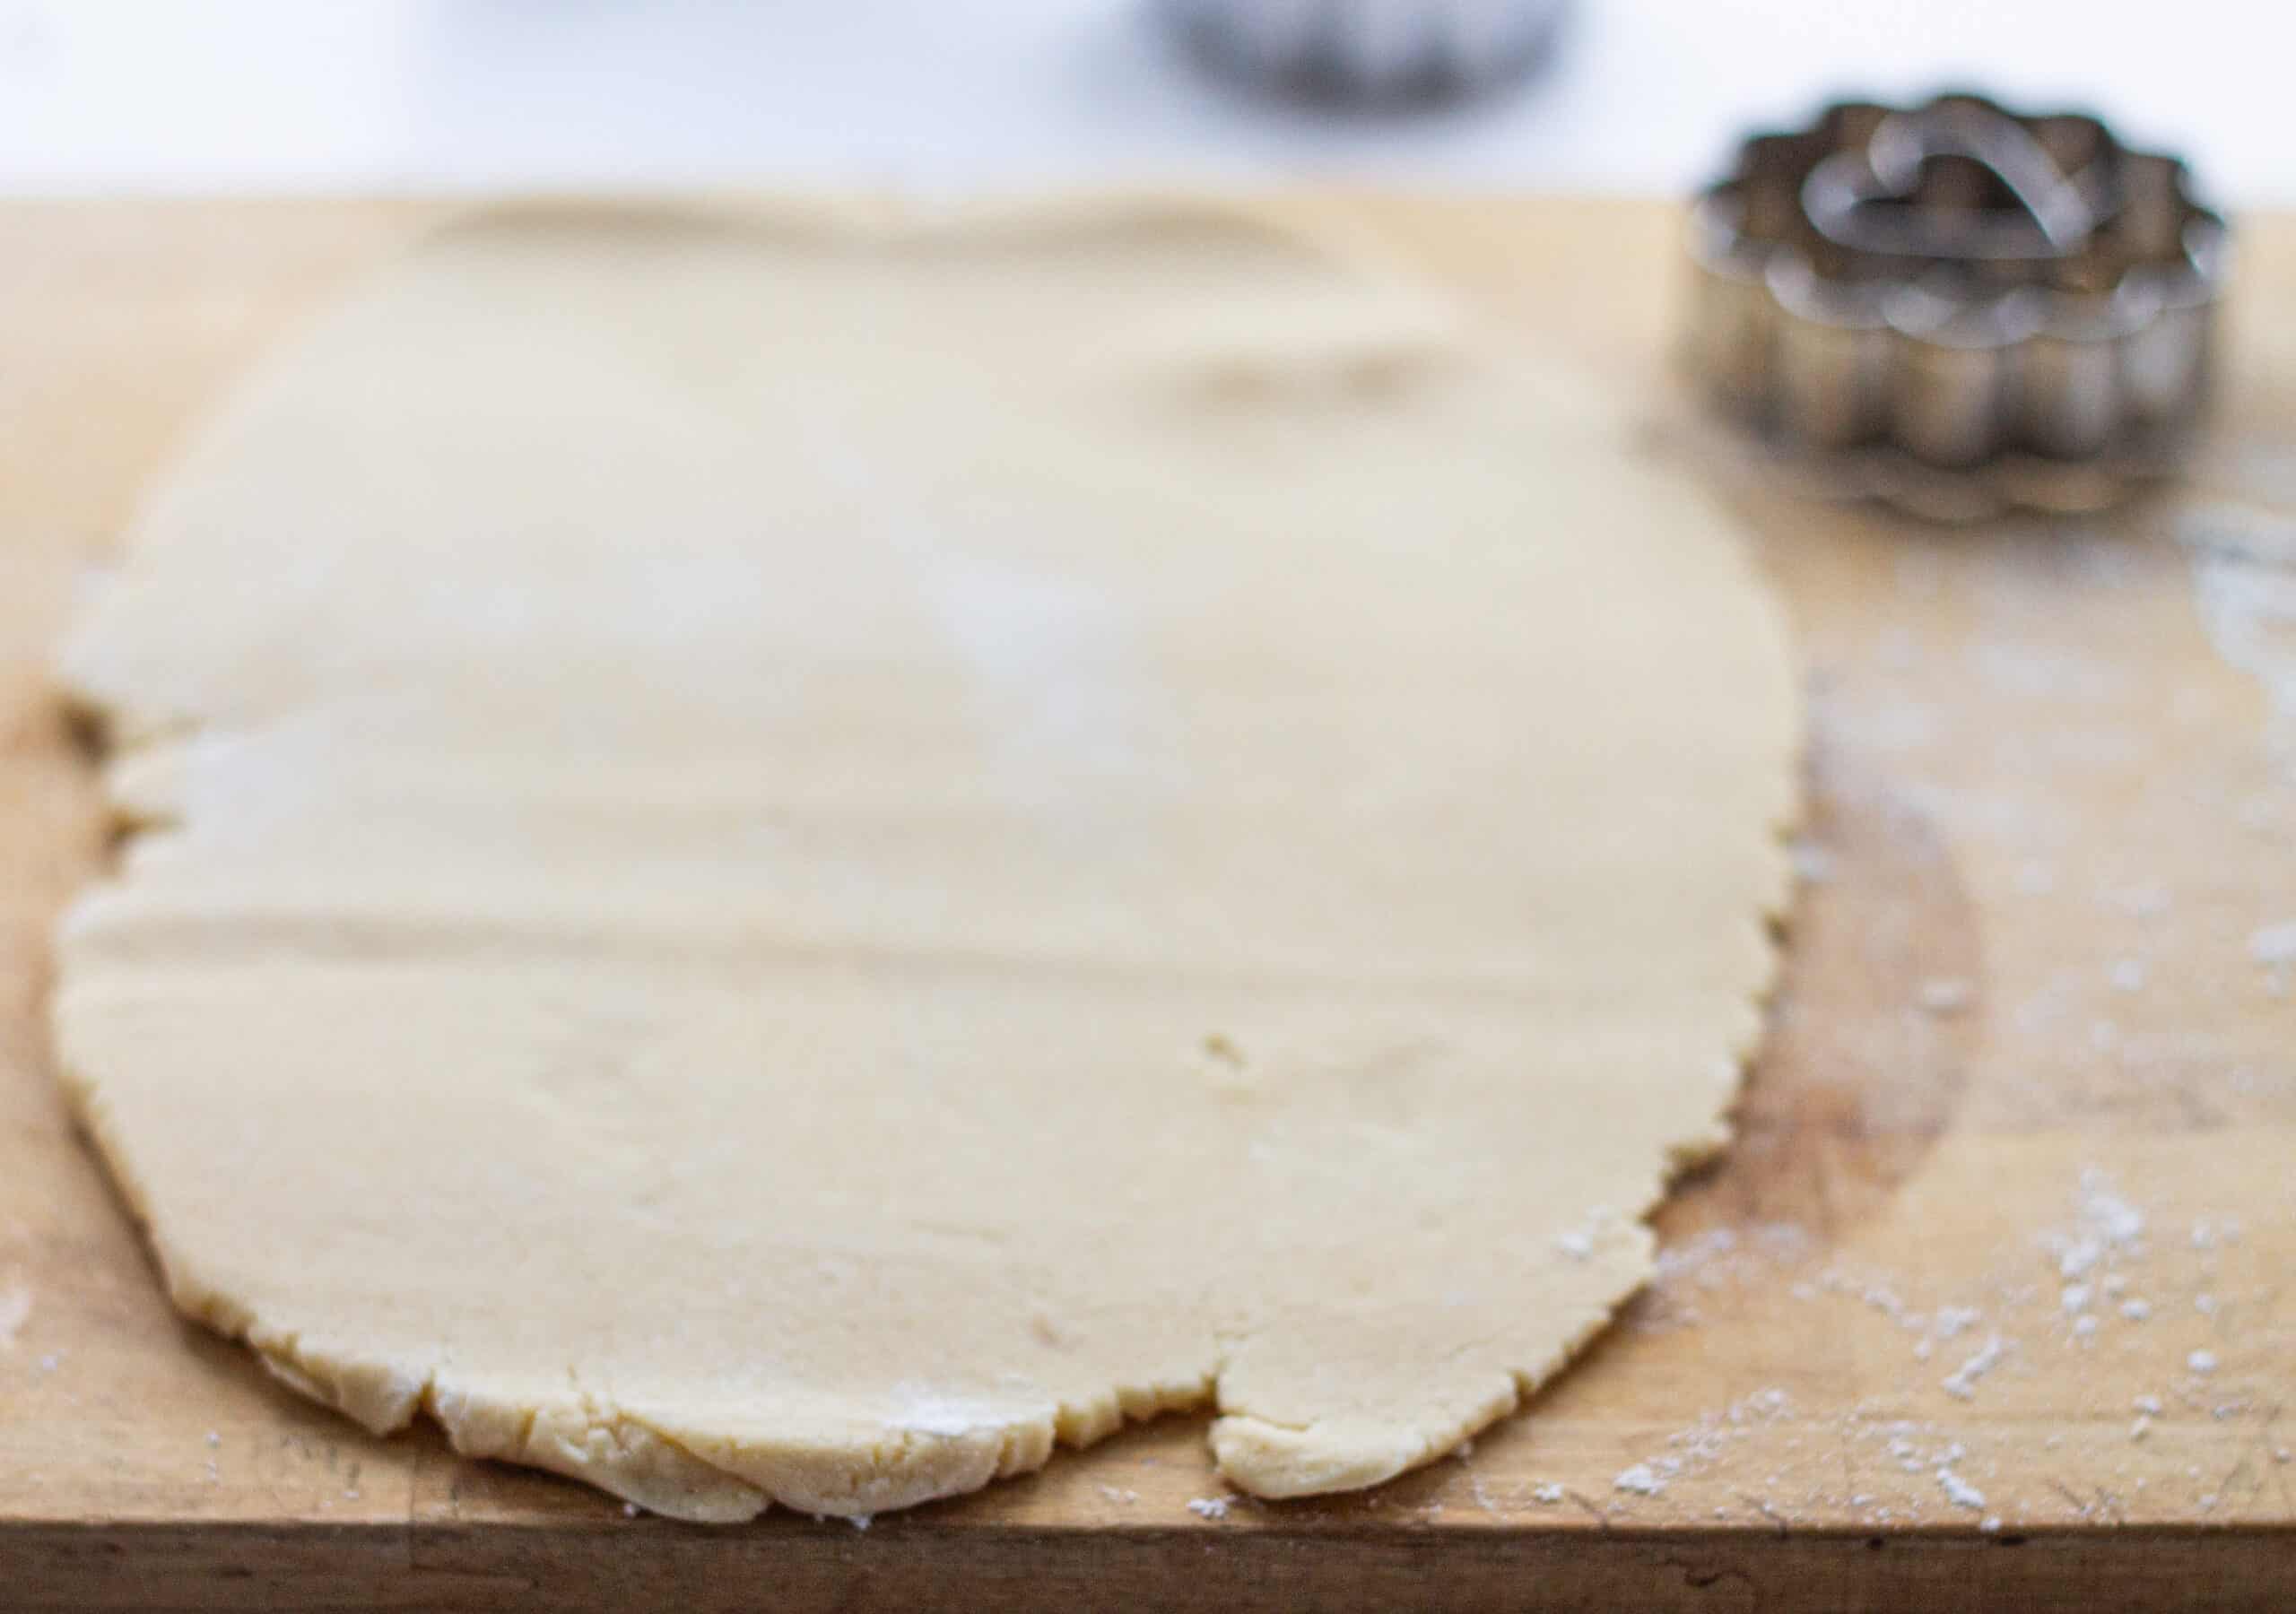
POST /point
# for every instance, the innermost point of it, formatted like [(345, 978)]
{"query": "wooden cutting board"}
[(1989, 1302)]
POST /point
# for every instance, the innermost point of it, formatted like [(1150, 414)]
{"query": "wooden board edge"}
[(795, 1567)]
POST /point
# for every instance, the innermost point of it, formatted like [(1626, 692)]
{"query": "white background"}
[(105, 96)]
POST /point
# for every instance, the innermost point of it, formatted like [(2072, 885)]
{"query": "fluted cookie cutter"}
[(1957, 307)]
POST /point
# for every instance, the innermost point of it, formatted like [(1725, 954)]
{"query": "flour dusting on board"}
[(1640, 1479), (2109, 1228), (2274, 948), (2122, 1305), (1716, 1265), (15, 1310), (1959, 1491), (1961, 1383), (2244, 577)]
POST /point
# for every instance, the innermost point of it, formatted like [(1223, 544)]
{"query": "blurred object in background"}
[(130, 97), (1384, 52)]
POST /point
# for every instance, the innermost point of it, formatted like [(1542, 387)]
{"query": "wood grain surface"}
[(2023, 1140)]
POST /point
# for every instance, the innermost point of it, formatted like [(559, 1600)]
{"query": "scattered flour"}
[(1208, 1507), (1953, 1319), (2148, 901), (1945, 995), (1813, 864), (15, 1308), (1640, 1479), (2121, 1223), (1961, 1383), (1719, 1254), (2244, 578), (2203, 1362), (1482, 1496), (2208, 1234), (1546, 1496), (2107, 1228), (2274, 945), (1959, 1491)]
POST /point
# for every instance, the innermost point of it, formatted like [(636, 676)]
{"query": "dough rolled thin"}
[(789, 860)]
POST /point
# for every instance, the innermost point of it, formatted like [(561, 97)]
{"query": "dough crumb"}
[(1208, 1507), (1579, 1242)]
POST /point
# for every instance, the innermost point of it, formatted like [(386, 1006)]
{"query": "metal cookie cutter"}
[(1369, 51), (1958, 308)]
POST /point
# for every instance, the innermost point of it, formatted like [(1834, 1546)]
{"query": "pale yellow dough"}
[(786, 859)]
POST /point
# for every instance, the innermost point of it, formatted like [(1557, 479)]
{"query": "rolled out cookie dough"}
[(786, 859)]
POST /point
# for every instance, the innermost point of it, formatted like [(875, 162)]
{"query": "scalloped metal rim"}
[(1943, 394)]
